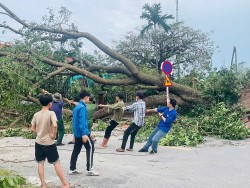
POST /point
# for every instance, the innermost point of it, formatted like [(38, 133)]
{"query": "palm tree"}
[(153, 15)]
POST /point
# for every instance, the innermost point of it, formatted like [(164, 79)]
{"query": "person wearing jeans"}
[(154, 138), (167, 116), (139, 108)]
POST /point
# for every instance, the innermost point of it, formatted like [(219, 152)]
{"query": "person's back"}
[(57, 107), (139, 108), (44, 126)]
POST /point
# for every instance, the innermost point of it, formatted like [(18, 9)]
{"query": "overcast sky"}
[(109, 20)]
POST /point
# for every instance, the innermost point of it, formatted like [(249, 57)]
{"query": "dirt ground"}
[(214, 164)]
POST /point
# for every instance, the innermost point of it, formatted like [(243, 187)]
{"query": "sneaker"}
[(73, 172), (71, 142), (92, 173), (152, 152), (143, 150)]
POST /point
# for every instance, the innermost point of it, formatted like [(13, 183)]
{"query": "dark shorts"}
[(46, 151)]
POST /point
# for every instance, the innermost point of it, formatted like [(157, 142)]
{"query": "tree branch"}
[(11, 29), (130, 81), (55, 73), (12, 15)]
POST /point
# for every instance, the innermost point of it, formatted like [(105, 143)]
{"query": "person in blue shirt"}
[(167, 116), (82, 136)]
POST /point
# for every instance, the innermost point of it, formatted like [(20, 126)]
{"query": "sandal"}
[(120, 150)]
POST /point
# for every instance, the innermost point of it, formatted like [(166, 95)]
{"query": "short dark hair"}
[(173, 102), (120, 95), (139, 94), (83, 94), (45, 99)]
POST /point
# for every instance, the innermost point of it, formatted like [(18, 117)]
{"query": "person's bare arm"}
[(43, 91), (54, 129), (33, 128), (152, 110), (85, 138), (70, 101), (73, 102), (66, 100), (103, 105)]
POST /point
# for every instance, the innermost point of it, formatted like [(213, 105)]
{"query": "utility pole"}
[(177, 20), (177, 11), (234, 60)]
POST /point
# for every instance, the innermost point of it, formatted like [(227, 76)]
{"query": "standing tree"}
[(193, 47), (153, 15)]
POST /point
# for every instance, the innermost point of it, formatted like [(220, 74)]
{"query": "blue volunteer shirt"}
[(170, 116), (80, 120)]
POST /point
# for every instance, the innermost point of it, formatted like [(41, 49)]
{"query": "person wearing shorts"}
[(44, 124)]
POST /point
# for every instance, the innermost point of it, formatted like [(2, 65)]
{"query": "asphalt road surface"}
[(214, 164)]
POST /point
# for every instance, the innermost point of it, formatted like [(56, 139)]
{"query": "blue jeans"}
[(154, 139)]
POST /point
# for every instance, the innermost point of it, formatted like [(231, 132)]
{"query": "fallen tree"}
[(39, 35)]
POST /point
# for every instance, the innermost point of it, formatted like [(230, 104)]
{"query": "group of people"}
[(47, 123), (166, 114)]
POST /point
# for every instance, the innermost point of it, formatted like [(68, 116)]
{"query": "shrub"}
[(219, 121), (9, 179), (184, 132), (224, 122), (144, 132), (18, 133), (101, 126), (222, 86)]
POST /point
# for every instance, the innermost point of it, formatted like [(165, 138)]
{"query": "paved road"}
[(214, 164)]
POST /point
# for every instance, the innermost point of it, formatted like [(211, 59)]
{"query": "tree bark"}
[(151, 102)]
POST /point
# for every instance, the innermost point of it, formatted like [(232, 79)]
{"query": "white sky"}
[(109, 20)]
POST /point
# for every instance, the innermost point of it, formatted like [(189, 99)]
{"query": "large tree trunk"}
[(151, 102)]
